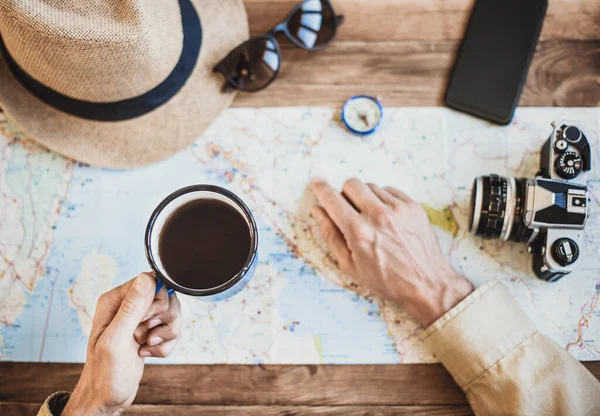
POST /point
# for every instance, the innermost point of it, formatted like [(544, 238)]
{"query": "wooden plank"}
[(20, 409), (351, 385), (301, 410), (400, 74), (563, 73), (402, 20), (419, 384)]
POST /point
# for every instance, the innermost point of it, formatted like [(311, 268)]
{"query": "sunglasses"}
[(254, 64)]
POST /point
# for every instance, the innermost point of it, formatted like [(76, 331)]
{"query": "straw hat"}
[(116, 83)]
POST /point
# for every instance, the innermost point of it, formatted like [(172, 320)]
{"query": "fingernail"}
[(155, 341), (154, 322), (317, 179), (145, 353)]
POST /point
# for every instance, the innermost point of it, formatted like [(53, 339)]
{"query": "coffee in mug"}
[(202, 240)]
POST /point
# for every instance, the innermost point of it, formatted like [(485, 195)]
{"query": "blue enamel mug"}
[(172, 204)]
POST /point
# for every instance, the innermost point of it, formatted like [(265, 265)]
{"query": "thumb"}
[(133, 308)]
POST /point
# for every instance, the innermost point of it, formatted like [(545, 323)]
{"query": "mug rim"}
[(233, 280)]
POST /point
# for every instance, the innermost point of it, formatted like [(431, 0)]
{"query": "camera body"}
[(547, 212)]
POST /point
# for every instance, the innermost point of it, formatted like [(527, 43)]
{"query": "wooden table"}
[(401, 51)]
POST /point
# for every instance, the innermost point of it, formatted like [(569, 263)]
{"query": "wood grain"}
[(347, 385), (563, 73), (419, 384), (425, 20), (21, 409), (402, 51)]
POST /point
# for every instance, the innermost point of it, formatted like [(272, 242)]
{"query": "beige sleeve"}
[(504, 365), (54, 405)]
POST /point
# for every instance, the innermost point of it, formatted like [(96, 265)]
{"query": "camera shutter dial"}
[(568, 165), (565, 251)]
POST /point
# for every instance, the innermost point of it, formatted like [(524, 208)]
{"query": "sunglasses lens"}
[(313, 24), (253, 65)]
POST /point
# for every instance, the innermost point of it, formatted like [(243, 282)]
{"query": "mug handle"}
[(159, 286)]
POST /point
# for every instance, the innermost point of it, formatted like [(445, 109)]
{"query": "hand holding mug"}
[(130, 323), (383, 239)]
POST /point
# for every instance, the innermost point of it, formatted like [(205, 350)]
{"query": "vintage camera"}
[(547, 212)]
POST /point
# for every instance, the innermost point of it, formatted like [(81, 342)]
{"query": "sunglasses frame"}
[(231, 84), (272, 36)]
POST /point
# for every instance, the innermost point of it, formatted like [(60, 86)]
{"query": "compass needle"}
[(361, 114)]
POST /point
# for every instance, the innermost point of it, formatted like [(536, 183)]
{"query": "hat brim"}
[(153, 136)]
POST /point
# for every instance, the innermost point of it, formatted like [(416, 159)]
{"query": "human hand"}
[(130, 323), (383, 240)]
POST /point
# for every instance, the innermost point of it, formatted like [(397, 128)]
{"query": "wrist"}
[(432, 300), (450, 294), (81, 403)]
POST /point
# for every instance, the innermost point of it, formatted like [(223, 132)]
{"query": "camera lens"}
[(497, 208)]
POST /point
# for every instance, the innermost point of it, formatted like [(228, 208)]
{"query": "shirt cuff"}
[(478, 332), (54, 405)]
